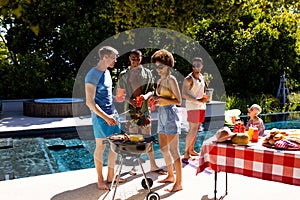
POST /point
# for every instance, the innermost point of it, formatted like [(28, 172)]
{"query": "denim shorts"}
[(168, 120), (101, 127)]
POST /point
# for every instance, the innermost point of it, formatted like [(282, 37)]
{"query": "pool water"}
[(71, 159), (76, 158), (294, 124), (27, 157), (81, 158)]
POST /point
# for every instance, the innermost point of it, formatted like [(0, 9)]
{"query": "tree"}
[(253, 43), (48, 41)]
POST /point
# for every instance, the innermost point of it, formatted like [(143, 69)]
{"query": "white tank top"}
[(196, 91)]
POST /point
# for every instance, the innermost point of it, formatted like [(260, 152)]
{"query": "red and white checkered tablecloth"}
[(253, 161)]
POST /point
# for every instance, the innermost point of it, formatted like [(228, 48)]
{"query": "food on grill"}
[(136, 138), (131, 144), (118, 137)]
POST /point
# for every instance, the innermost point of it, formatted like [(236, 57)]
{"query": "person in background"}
[(168, 96), (254, 120), (193, 90), (138, 81), (98, 90)]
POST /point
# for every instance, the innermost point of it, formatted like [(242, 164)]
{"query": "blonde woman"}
[(168, 96)]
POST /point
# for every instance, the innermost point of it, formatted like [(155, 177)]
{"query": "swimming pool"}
[(81, 158), (85, 160), (38, 156)]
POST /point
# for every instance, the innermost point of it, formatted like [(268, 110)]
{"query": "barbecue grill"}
[(133, 146)]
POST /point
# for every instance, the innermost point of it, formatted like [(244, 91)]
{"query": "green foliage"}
[(268, 103), (175, 15), (208, 77), (232, 102), (47, 42), (26, 81), (293, 103), (43, 43), (252, 43)]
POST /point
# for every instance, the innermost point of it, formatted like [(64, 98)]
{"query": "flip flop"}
[(160, 171), (185, 160), (132, 172), (121, 180)]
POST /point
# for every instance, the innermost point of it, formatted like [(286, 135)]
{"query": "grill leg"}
[(118, 179), (118, 171), (147, 183)]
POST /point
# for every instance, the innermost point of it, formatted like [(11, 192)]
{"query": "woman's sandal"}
[(121, 180), (160, 171)]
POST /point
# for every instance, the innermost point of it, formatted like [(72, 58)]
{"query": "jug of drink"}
[(250, 132), (255, 134), (139, 101), (120, 94), (152, 104)]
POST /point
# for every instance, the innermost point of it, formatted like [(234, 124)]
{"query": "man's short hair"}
[(197, 59), (106, 50), (136, 52)]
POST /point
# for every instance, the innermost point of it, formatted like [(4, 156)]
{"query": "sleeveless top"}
[(196, 91), (165, 92)]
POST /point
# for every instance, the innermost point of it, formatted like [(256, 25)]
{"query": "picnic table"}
[(253, 160)]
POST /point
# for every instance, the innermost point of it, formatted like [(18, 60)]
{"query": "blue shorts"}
[(168, 120), (101, 127)]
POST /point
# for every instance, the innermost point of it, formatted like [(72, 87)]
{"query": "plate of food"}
[(278, 139)]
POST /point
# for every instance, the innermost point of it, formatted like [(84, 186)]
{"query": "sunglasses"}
[(160, 67), (197, 66), (135, 59)]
